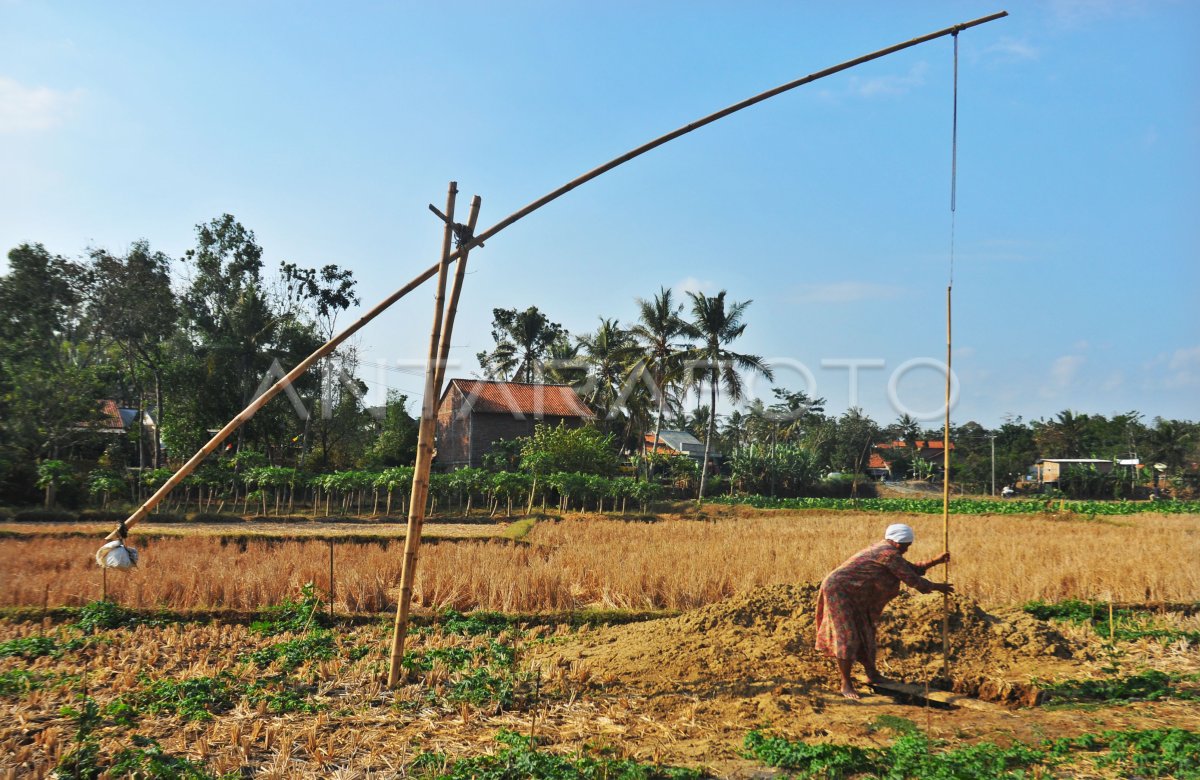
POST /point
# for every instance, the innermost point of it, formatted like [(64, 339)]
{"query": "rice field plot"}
[(721, 681), (727, 690), (594, 561)]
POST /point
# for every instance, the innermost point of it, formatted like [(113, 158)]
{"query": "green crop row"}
[(520, 758), (1152, 753), (1127, 624), (966, 506), (1149, 685)]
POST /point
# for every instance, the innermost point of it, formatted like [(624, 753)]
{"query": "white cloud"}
[(891, 85), (1012, 50), (844, 292), (26, 109), (1064, 371), (691, 284), (1075, 13), (1184, 368)]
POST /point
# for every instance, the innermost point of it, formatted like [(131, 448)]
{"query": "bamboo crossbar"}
[(187, 468)]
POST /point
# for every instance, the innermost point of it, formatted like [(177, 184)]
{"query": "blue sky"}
[(327, 128)]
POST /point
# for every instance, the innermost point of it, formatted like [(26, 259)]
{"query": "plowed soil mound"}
[(763, 640)]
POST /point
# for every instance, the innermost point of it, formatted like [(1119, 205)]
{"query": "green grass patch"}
[(320, 645), (1127, 624), (293, 617), (474, 624), (147, 759), (18, 682), (519, 529), (195, 699), (520, 758), (281, 698), (1150, 685), (965, 506), (1151, 753), (102, 615), (28, 647)]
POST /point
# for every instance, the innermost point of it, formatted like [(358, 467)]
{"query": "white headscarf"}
[(899, 533)]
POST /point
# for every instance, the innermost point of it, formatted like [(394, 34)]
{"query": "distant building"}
[(1049, 470), (474, 414), (931, 451), (678, 443), (114, 419)]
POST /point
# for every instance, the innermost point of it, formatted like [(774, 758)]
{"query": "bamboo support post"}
[(331, 581), (439, 341), (187, 468)]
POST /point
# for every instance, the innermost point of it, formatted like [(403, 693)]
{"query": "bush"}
[(45, 516), (212, 517), (102, 516)]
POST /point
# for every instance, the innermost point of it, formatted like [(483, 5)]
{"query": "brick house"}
[(473, 414), (931, 451)]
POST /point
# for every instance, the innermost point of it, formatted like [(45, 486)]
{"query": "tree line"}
[(189, 341)]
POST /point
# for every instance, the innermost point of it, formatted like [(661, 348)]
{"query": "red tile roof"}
[(490, 397), (932, 444), (112, 415)]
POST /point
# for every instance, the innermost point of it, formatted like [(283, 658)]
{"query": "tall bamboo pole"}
[(460, 272), (946, 501), (478, 240), (437, 371), (425, 434)]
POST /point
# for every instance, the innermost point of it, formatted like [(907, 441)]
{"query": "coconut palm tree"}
[(522, 338), (659, 348), (717, 325), (608, 353)]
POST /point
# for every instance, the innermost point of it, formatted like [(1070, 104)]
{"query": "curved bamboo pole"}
[(187, 468)]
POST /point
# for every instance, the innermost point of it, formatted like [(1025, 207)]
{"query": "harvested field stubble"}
[(599, 562)]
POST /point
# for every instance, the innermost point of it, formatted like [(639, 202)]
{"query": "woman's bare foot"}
[(878, 679), (849, 692)]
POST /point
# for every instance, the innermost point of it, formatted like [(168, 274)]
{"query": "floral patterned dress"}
[(854, 594)]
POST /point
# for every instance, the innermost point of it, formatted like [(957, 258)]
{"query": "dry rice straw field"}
[(596, 562)]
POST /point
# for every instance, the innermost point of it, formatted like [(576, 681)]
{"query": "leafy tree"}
[(582, 449), (133, 305), (396, 444), (716, 326), (856, 433), (52, 475), (51, 374)]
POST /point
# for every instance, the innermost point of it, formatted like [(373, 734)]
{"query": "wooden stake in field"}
[(439, 345)]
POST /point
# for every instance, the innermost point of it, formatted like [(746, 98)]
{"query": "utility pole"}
[(993, 438)]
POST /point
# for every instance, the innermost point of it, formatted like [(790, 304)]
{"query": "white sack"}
[(116, 555)]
